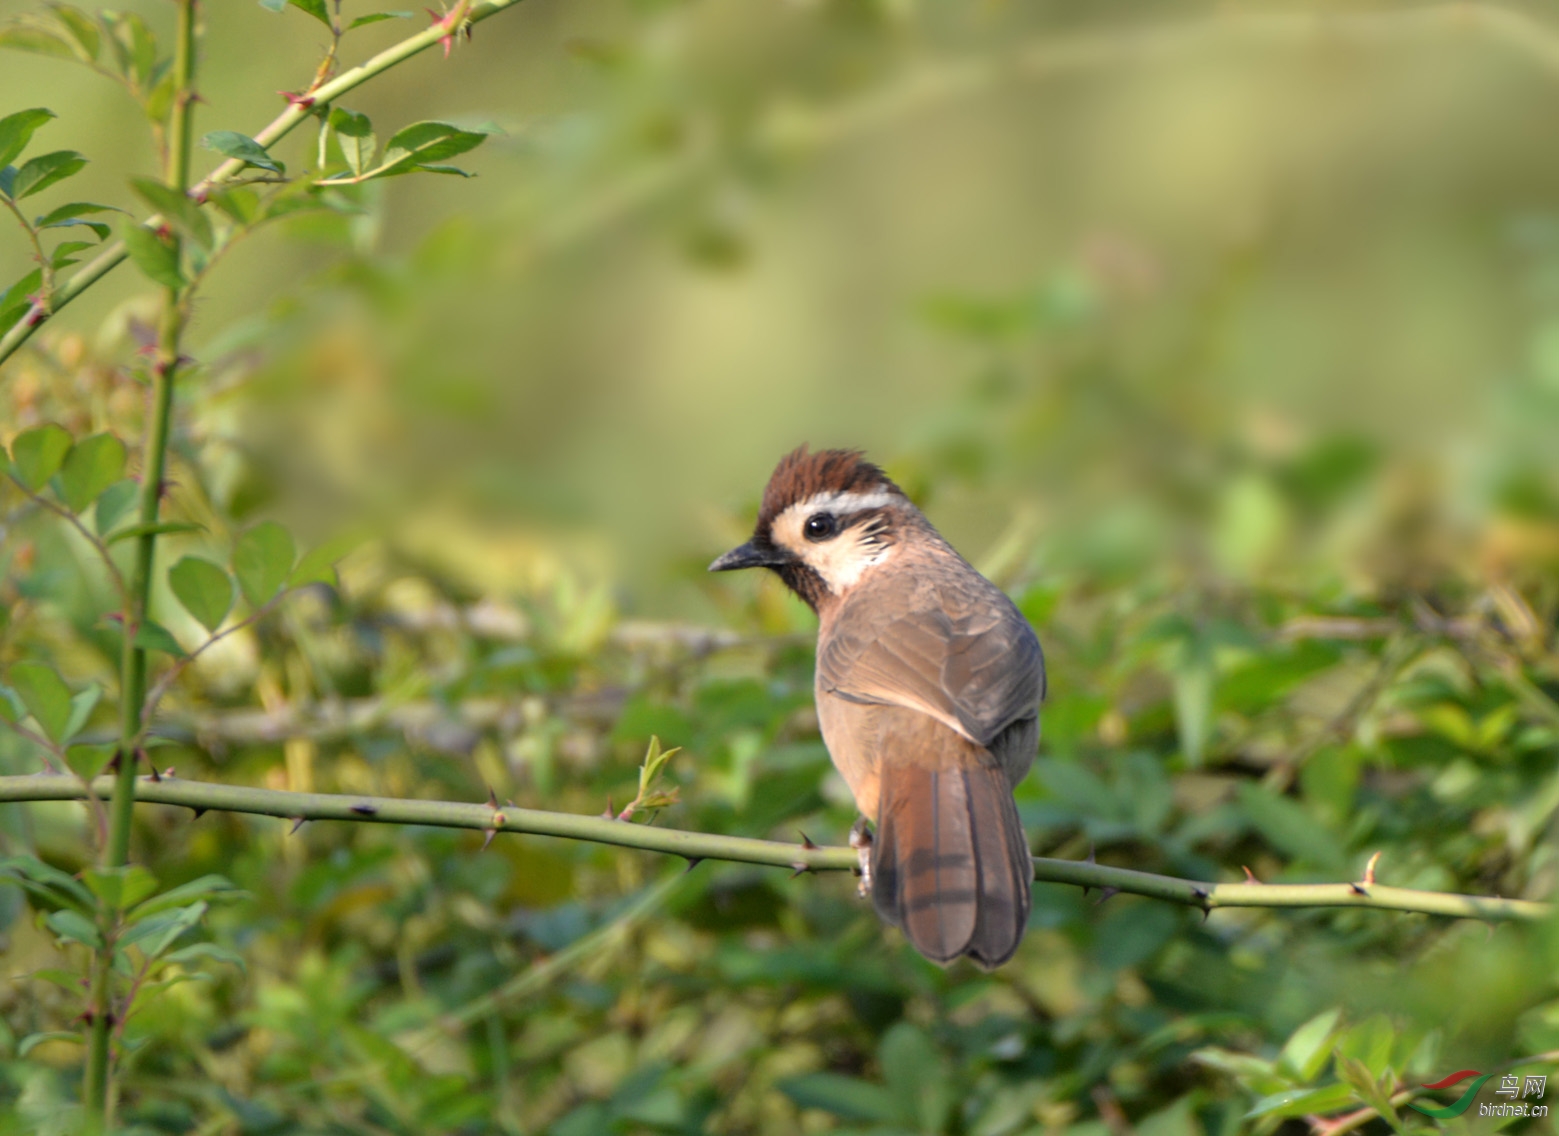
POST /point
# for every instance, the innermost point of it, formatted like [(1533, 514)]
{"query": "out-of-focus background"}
[(1224, 336)]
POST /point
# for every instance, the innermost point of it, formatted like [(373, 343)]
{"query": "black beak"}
[(749, 555)]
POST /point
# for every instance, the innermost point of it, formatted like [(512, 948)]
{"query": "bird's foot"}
[(861, 841)]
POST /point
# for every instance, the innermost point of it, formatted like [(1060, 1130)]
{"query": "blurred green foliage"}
[(1231, 350)]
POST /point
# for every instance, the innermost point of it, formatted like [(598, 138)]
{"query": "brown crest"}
[(800, 475)]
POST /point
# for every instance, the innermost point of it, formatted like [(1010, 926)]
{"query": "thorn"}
[(1106, 893), (1369, 870), (801, 870), (806, 841), (492, 799), (305, 102), (198, 813), (365, 810), (139, 754), (1206, 911), (1250, 876), (1357, 890), (1090, 859), (113, 762), (609, 814), (488, 839), (1198, 893), (693, 862), (297, 823)]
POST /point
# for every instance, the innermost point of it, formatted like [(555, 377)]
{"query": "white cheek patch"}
[(842, 560)]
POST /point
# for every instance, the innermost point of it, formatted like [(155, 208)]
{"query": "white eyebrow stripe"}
[(838, 501)]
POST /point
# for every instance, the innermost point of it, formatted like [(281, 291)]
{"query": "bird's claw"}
[(861, 841)]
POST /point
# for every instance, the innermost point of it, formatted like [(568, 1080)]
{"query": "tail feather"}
[(950, 864)]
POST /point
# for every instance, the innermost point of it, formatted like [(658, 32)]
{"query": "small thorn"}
[(365, 810), (1090, 859), (155, 775), (1199, 893), (1107, 893), (488, 839), (198, 813), (800, 870), (1250, 876), (693, 862), (806, 841), (297, 823), (492, 799), (610, 813), (1369, 870), (1357, 890), (1206, 911)]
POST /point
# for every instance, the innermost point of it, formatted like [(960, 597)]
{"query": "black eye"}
[(821, 526)]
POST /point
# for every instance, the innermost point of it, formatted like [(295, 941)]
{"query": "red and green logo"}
[(1461, 1105)]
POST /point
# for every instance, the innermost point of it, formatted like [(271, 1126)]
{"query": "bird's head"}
[(827, 519)]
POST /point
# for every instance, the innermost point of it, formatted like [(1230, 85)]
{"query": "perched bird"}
[(928, 689)]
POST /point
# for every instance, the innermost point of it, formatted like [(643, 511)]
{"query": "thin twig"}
[(202, 796), (92, 538), (171, 676)]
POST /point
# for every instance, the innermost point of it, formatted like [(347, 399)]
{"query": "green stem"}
[(98, 1093), (114, 255), (202, 796)]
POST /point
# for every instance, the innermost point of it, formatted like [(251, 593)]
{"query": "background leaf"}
[(16, 130), (38, 454), (262, 561), (204, 589), (93, 464)]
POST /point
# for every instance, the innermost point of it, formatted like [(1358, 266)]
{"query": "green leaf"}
[(81, 706), (45, 170), (175, 207), (112, 505), (849, 1097), (242, 147), (16, 130), (242, 205), (1306, 1051), (205, 887), (64, 979), (47, 882), (38, 41), (134, 45), (262, 561), (315, 8), (159, 932), (207, 951), (34, 1040), (120, 887), (83, 29), (356, 135), (205, 590), (12, 708), (318, 565), (153, 636), (90, 760), (424, 142), (375, 17), (63, 255), (14, 301), (37, 454), (46, 697), (154, 256), (157, 528), (1304, 1102), (93, 465), (74, 927)]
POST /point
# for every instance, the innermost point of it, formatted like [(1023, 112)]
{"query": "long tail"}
[(950, 862)]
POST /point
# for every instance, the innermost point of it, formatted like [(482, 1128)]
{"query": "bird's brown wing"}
[(954, 648)]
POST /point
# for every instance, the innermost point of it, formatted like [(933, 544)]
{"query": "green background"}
[(1225, 337)]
